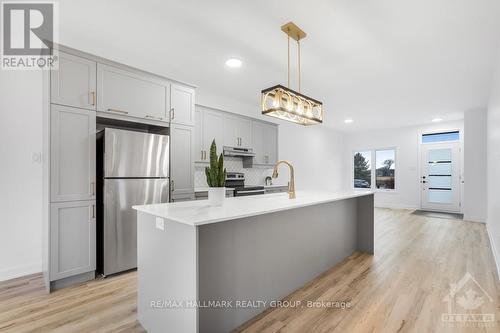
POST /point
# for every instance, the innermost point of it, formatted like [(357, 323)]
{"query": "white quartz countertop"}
[(199, 212), (205, 189)]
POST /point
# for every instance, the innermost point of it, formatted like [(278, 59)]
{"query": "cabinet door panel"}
[(271, 147), (213, 129), (198, 136), (72, 239), (74, 82), (72, 151), (258, 139), (182, 105), (182, 159), (230, 130), (129, 93), (244, 132)]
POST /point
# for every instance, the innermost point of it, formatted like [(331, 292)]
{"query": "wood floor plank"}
[(399, 289)]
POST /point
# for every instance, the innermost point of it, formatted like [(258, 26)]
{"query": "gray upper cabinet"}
[(74, 82), (213, 129), (182, 160), (181, 105), (72, 154), (209, 126), (129, 93), (265, 143), (72, 238), (198, 136), (237, 132)]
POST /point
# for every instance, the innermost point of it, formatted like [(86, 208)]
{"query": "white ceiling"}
[(383, 63)]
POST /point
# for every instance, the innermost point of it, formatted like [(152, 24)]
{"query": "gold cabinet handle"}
[(92, 96), (116, 110), (153, 117)]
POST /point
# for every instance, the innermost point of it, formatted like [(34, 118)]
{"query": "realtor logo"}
[(29, 30), (466, 302)]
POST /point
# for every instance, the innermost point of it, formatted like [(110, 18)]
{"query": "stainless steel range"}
[(236, 180)]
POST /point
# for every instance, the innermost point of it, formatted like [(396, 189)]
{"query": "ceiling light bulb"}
[(437, 120), (234, 63), (348, 121)]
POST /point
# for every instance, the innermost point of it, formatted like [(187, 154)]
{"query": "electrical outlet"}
[(160, 223), (36, 157)]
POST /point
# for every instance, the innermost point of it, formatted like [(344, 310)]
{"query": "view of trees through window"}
[(384, 172), (386, 165), (362, 170)]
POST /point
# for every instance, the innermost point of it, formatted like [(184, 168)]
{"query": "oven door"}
[(245, 192)]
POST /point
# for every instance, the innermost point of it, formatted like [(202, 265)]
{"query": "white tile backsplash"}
[(253, 176)]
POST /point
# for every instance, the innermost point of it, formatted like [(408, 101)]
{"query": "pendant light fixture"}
[(287, 104)]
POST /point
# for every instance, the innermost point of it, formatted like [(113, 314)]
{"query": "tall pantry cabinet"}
[(83, 89)]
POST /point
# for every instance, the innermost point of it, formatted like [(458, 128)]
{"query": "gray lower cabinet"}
[(73, 83), (72, 154), (72, 238), (181, 162)]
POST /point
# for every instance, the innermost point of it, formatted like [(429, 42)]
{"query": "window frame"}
[(373, 165)]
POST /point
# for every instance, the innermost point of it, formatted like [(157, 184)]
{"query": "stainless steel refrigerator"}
[(134, 171)]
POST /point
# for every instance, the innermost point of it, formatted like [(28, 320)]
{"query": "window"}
[(384, 170), (362, 169), (441, 137)]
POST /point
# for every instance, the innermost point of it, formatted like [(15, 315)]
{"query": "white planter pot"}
[(216, 196)]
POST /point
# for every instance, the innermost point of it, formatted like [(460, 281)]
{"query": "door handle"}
[(92, 187), (93, 211), (173, 187), (92, 96), (172, 113), (201, 154), (116, 110)]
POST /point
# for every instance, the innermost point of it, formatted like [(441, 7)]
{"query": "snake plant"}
[(216, 173)]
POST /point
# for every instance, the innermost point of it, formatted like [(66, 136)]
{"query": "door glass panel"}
[(439, 169), (440, 196), (440, 155), (439, 182), (441, 137)]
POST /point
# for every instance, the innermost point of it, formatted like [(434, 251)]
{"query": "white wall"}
[(406, 142), (20, 177), (475, 194), (493, 165)]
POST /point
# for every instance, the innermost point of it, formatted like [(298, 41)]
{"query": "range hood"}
[(238, 152)]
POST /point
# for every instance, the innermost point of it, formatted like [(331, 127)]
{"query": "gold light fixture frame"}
[(287, 104)]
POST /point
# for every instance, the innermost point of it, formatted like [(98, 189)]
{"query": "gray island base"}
[(210, 269)]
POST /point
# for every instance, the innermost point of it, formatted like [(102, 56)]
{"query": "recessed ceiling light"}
[(233, 63), (437, 120), (348, 121)]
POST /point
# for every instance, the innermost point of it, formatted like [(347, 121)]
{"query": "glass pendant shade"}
[(286, 104)]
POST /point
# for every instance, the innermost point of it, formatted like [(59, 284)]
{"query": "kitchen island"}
[(210, 269)]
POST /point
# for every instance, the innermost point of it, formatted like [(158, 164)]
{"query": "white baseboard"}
[(21, 270), (494, 250), (474, 219), (395, 206)]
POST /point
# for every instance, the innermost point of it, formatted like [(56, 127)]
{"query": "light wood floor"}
[(400, 288)]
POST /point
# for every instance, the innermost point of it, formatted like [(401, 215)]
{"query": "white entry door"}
[(440, 176)]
